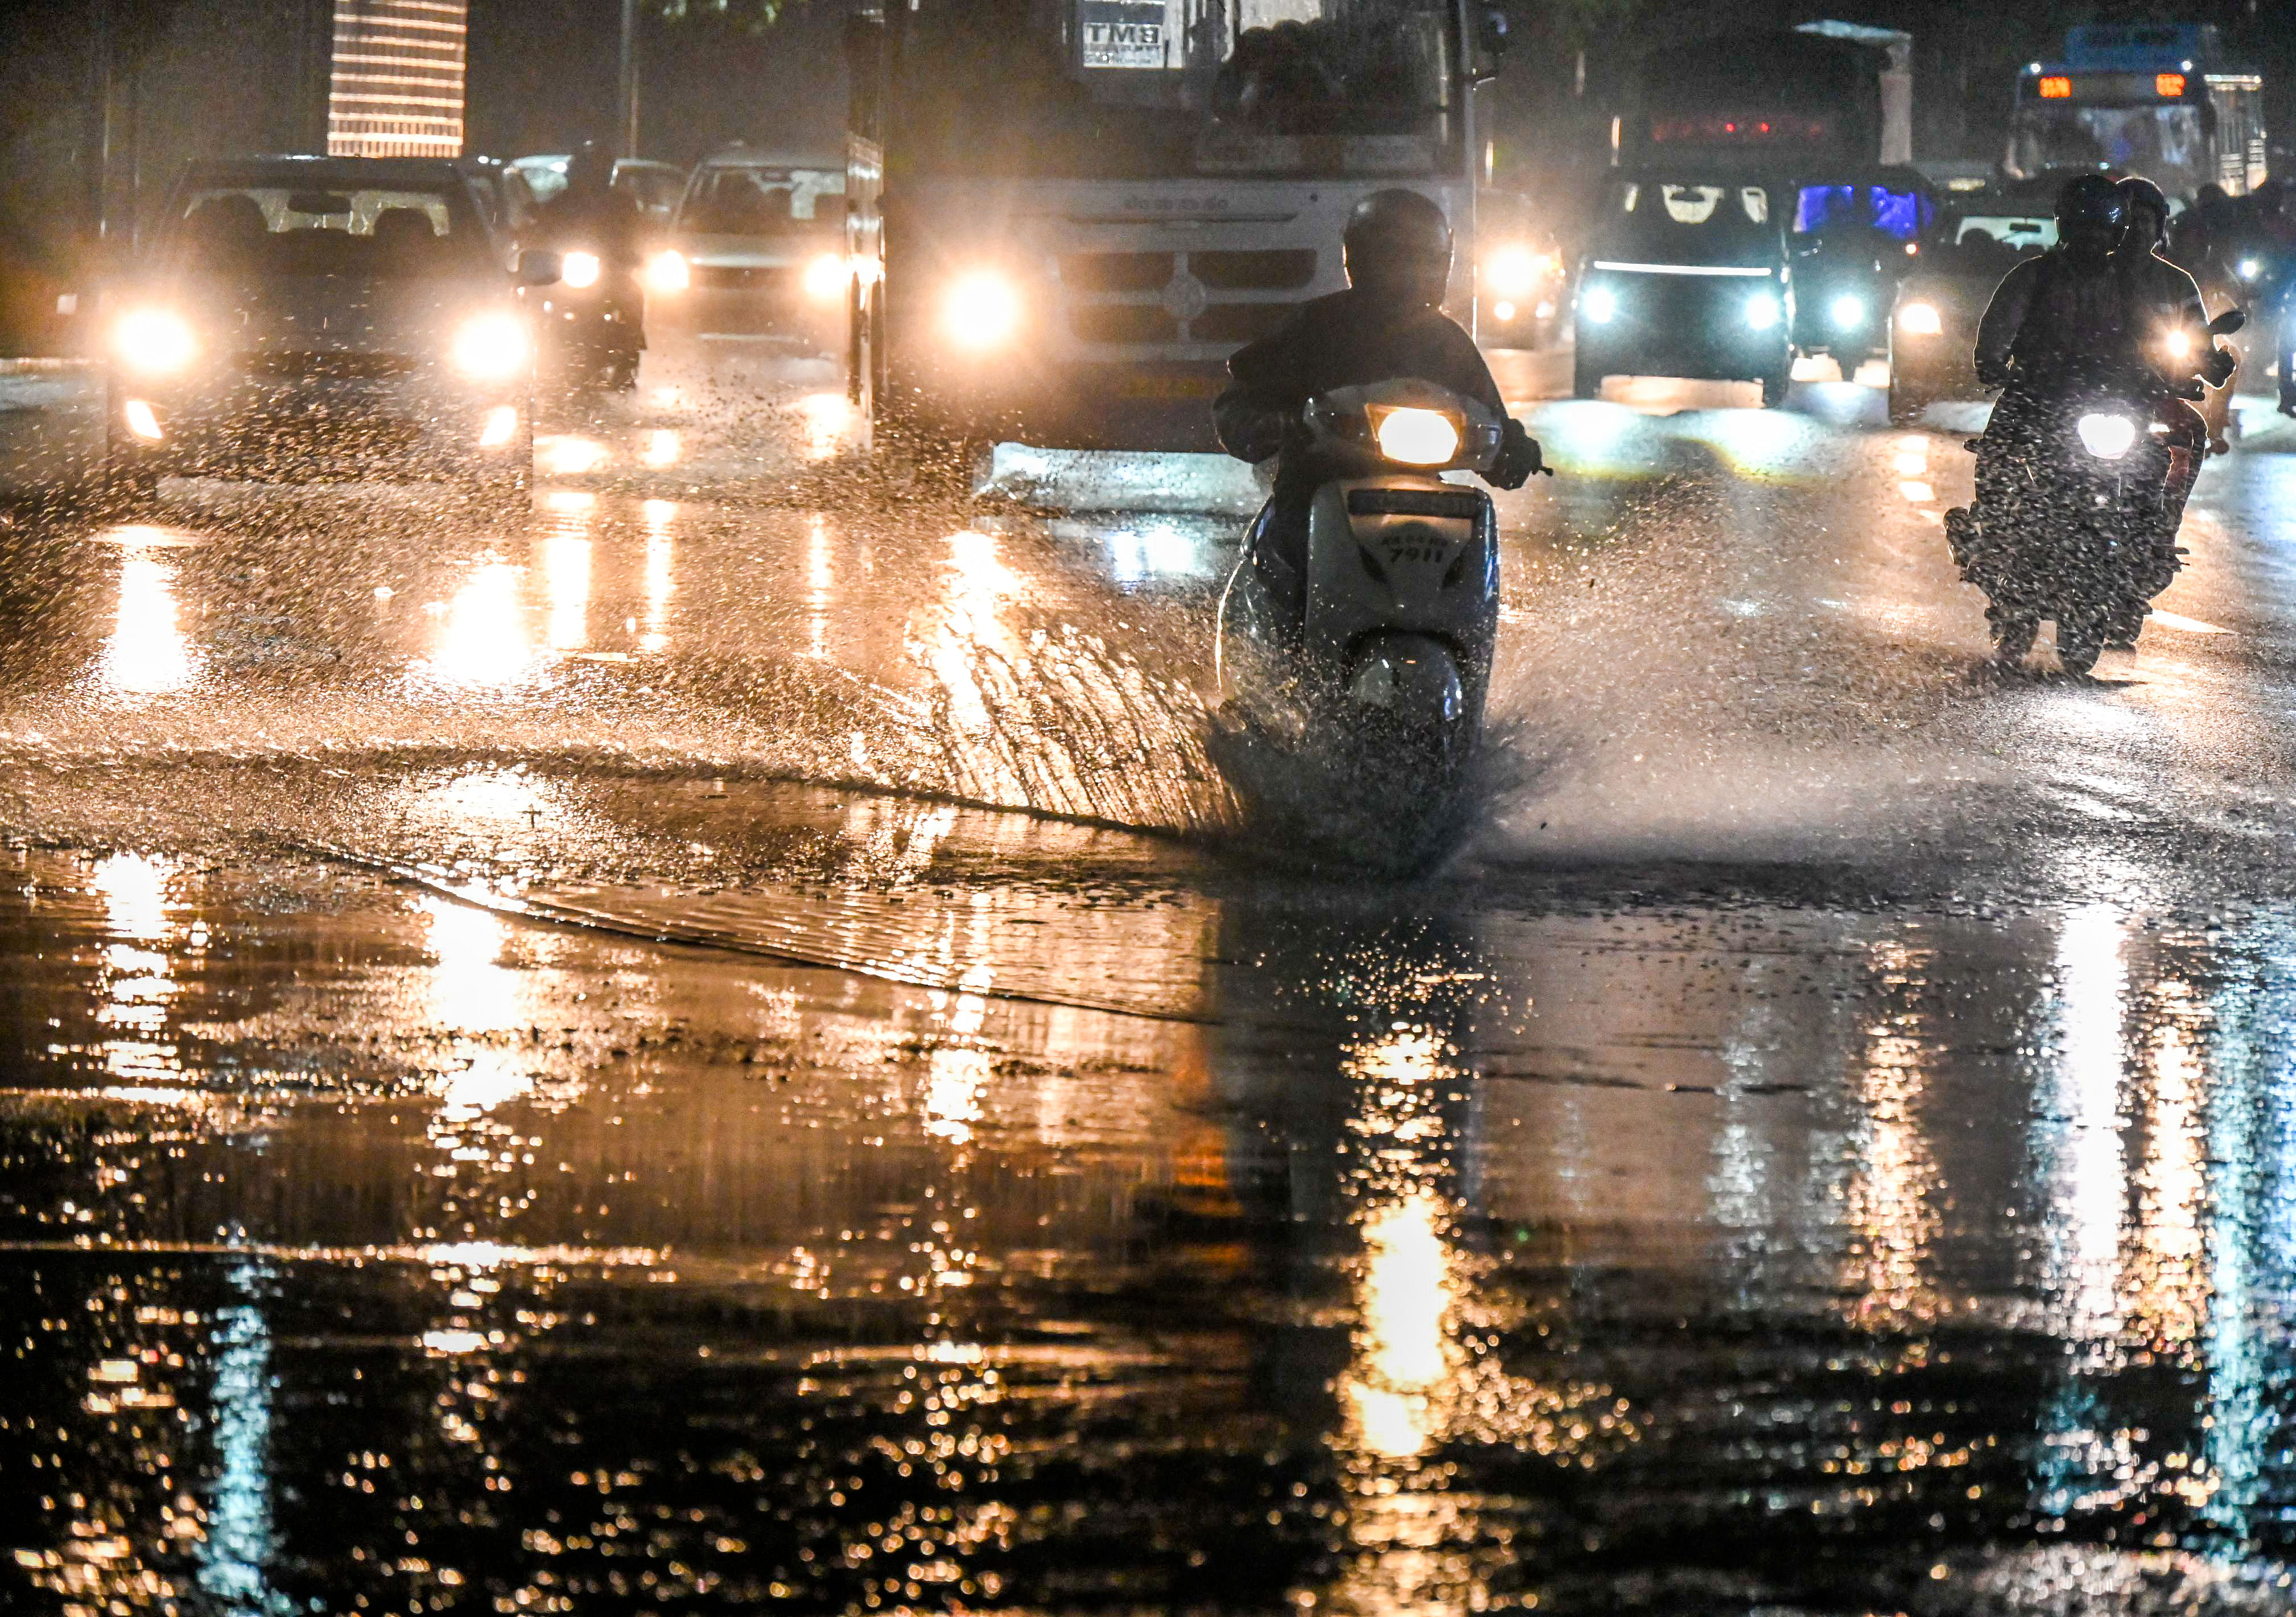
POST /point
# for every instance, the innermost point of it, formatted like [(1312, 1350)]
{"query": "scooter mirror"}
[(538, 268), (2227, 322)]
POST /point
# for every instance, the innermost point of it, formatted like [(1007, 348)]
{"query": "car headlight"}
[(1599, 304), (826, 276), (490, 346), (579, 269), (1920, 320), (1416, 437), (2106, 437), (1512, 271), (153, 341), (1848, 310), (667, 272), (980, 310), (1762, 311)]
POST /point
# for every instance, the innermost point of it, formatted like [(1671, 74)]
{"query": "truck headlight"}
[(826, 277), (1416, 437), (1762, 311), (491, 347), (1920, 320), (579, 269), (2106, 437), (666, 273), (153, 341), (980, 310)]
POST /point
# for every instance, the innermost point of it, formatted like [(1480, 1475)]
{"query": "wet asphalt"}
[(730, 1046)]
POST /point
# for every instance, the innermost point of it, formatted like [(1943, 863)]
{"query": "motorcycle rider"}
[(1386, 325), (2176, 334), (2089, 308), (590, 216)]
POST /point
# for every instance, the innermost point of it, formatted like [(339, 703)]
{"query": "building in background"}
[(396, 85)]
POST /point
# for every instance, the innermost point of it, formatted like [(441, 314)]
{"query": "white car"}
[(756, 250)]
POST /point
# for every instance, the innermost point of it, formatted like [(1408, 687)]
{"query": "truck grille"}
[(1214, 296), (1238, 322), (1277, 269), (1117, 272)]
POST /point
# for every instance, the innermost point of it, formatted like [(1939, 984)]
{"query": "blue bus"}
[(2159, 99)]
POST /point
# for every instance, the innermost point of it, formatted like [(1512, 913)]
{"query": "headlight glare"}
[(153, 341), (1416, 437), (1762, 311), (491, 347), (1512, 271), (980, 310), (1848, 310), (826, 276), (1920, 320), (2250, 268), (667, 273), (579, 269), (2106, 437), (1598, 304)]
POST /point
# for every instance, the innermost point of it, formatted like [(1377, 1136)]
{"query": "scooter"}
[(593, 322), (2073, 523), (1384, 676)]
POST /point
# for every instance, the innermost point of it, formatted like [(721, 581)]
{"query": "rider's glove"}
[(2219, 365), (1519, 460)]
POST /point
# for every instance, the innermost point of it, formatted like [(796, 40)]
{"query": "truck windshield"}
[(1133, 89), (1667, 224), (2164, 143)]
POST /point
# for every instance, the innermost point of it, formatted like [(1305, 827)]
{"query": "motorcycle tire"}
[(2012, 638), (2079, 644)]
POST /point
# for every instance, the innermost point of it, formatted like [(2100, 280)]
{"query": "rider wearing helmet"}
[(2065, 308), (589, 215), (1388, 324)]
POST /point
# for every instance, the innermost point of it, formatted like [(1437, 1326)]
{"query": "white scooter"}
[(1383, 678)]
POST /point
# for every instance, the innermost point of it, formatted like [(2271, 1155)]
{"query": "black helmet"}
[(1399, 241), (2091, 202), (2142, 192)]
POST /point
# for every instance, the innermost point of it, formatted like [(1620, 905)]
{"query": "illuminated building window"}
[(397, 88)]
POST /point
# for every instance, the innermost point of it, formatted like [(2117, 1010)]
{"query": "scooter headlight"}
[(2248, 269), (491, 347), (2106, 437), (153, 341), (1416, 437), (1920, 320), (666, 273), (579, 269)]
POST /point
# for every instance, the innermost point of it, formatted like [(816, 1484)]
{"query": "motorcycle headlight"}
[(980, 310), (2179, 345), (1848, 310), (1512, 272), (2248, 269), (826, 277), (1762, 311), (491, 347), (153, 341), (1599, 304), (666, 273), (1920, 320), (579, 269), (1416, 437), (2106, 437)]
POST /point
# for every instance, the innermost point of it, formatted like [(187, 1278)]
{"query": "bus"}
[(2160, 99), (1065, 214)]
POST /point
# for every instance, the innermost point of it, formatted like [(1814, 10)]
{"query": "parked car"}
[(1685, 276), (757, 248), (308, 316), (1939, 301)]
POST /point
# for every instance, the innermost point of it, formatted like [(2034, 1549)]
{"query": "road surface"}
[(729, 1048)]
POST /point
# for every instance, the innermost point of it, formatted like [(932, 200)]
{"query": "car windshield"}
[(277, 230), (746, 201), (1168, 89), (1990, 244), (546, 176), (1697, 224)]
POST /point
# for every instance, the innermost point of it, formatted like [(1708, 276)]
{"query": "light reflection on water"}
[(147, 653), (482, 637)]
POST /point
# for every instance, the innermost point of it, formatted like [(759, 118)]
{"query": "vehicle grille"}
[(1123, 323), (1117, 272), (1238, 322), (1278, 270), (294, 364), (741, 277)]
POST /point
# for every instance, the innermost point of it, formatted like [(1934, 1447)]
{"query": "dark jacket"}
[(2053, 317), (1342, 341), (603, 222)]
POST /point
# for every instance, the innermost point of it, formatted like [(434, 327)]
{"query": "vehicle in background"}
[(503, 196), (2161, 99), (1852, 238), (301, 318), (757, 248), (1964, 256), (1520, 281), (1825, 97), (654, 186), (1686, 276), (1089, 205)]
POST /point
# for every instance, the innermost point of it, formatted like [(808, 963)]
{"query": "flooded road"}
[(729, 1048)]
